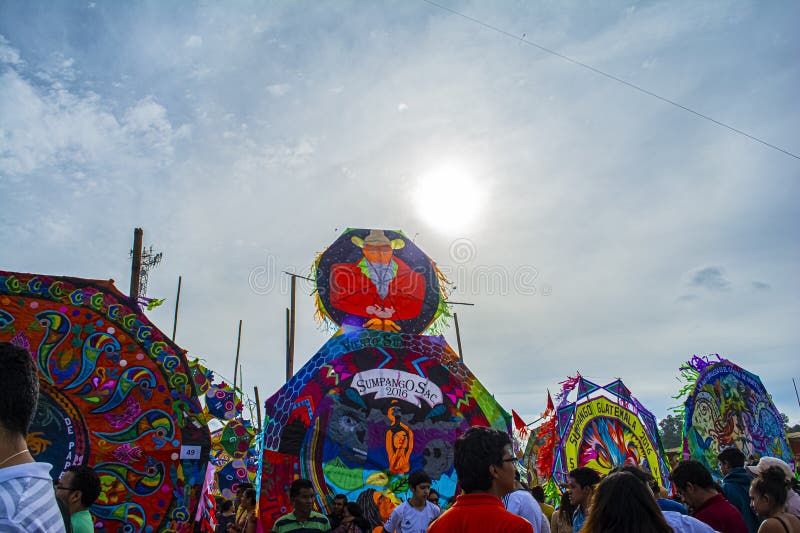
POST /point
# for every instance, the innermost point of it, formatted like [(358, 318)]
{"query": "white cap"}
[(767, 462)]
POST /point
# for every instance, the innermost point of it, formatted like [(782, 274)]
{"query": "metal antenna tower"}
[(142, 261)]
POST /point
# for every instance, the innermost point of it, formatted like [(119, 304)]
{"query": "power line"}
[(611, 77)]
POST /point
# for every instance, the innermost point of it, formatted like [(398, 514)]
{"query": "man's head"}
[(420, 484), (581, 482), (693, 482), (337, 506), (730, 458), (642, 475), (433, 497), (538, 493), (484, 461), (78, 488), (301, 494), (377, 247), (19, 390)]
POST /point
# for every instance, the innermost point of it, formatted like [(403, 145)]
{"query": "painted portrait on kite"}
[(378, 279)]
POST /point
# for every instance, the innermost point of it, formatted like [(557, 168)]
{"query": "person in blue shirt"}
[(736, 485)]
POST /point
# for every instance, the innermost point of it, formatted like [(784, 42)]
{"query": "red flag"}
[(550, 405), (518, 422)]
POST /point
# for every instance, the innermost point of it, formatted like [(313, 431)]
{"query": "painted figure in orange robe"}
[(399, 442), (380, 288)]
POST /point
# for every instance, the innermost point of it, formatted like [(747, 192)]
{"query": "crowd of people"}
[(757, 498)]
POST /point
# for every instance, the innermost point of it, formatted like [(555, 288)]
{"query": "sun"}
[(448, 197)]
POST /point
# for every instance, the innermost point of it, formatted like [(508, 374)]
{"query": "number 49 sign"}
[(190, 452)]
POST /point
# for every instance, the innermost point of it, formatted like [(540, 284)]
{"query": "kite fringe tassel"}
[(567, 386), (549, 431)]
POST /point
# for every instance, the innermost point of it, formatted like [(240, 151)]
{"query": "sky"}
[(595, 227)]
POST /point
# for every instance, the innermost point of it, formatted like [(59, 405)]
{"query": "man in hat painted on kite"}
[(380, 288)]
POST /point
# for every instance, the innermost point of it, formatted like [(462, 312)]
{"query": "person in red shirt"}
[(484, 463), (696, 486)]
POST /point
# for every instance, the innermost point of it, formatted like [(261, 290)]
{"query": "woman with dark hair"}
[(353, 520), (623, 504), (561, 521), (768, 493), (246, 521), (225, 516)]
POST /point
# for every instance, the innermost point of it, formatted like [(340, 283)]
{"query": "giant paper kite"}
[(367, 409), (378, 279), (728, 406), (115, 394), (603, 428), (378, 400)]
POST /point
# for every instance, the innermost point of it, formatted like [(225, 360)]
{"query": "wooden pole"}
[(458, 336), (177, 303), (795, 392), (136, 263), (289, 361), (236, 363), (258, 408), (292, 315)]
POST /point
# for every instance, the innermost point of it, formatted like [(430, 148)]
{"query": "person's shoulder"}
[(682, 523), (512, 523)]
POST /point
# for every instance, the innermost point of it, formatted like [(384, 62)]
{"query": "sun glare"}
[(448, 197)]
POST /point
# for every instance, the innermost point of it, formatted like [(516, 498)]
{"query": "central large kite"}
[(379, 399)]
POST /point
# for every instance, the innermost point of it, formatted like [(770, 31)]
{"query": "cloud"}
[(193, 41), (8, 54), (278, 89), (761, 286), (711, 278)]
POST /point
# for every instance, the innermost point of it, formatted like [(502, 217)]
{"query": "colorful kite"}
[(115, 393), (728, 406), (603, 428), (378, 279), (367, 409)]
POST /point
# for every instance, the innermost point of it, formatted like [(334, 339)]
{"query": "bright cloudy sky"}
[(596, 228)]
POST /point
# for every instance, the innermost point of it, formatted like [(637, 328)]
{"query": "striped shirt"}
[(27, 500), (289, 524)]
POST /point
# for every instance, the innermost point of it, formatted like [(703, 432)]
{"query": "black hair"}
[(297, 485), (340, 497), (691, 471), (86, 480), (566, 509), (250, 495), (733, 456), (226, 506), (358, 516), (416, 477), (623, 503), (433, 491), (642, 475), (474, 452), (538, 493), (19, 384), (371, 512), (243, 487), (773, 484), (585, 476)]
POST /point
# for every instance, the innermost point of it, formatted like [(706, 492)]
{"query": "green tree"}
[(671, 431)]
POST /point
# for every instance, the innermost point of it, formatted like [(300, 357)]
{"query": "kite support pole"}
[(177, 303)]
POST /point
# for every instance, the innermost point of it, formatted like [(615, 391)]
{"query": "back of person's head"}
[(249, 495), (19, 389), (565, 508), (732, 456), (538, 493), (358, 516), (474, 452), (298, 485), (623, 503), (417, 477), (772, 483), (86, 480), (642, 475), (585, 476), (691, 471), (226, 506)]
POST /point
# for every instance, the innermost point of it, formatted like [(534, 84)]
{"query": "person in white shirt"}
[(522, 503), (417, 513)]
